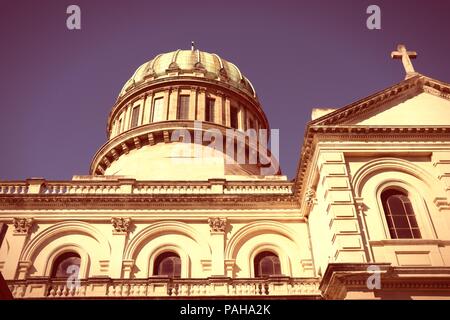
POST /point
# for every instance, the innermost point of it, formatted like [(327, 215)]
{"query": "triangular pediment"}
[(418, 101)]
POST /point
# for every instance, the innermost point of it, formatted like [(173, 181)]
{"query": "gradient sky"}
[(58, 86)]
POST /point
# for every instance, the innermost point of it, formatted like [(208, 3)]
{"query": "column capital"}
[(217, 225), (22, 225), (121, 225), (310, 197)]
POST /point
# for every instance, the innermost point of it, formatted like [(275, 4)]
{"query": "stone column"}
[(340, 207), (201, 100), (167, 104), (192, 103), (126, 120), (173, 104), (242, 118), (218, 105), (227, 111), (218, 226), (20, 235), (142, 109), (147, 109), (121, 227)]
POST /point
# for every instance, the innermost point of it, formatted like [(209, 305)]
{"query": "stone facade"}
[(328, 227)]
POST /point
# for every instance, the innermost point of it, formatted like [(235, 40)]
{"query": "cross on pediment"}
[(406, 57)]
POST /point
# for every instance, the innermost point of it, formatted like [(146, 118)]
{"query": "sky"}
[(57, 86)]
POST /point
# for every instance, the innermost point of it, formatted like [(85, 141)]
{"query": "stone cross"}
[(406, 57)]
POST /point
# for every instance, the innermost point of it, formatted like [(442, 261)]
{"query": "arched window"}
[(267, 264), (66, 265), (400, 215), (167, 264)]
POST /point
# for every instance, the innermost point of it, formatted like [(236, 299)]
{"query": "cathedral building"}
[(186, 200)]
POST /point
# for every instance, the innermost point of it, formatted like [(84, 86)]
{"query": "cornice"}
[(316, 133), (334, 126), (340, 278), (404, 89), (151, 134), (144, 201), (410, 131)]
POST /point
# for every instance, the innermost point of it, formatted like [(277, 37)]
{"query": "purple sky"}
[(58, 86)]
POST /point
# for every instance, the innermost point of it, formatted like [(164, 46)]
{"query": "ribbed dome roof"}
[(190, 63)]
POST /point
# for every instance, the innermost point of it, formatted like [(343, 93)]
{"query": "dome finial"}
[(192, 45)]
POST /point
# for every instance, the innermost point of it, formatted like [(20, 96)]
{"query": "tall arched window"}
[(400, 215), (266, 264), (167, 264), (66, 265)]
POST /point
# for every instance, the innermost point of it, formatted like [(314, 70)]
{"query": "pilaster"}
[(201, 100), (173, 104), (21, 230), (167, 104), (218, 106), (121, 227), (217, 229), (227, 111), (126, 120), (192, 103), (147, 109), (142, 109)]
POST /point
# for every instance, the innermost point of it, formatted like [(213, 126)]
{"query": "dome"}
[(200, 95), (190, 63)]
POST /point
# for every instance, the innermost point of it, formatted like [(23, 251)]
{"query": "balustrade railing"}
[(13, 188), (77, 188), (143, 188), (129, 288)]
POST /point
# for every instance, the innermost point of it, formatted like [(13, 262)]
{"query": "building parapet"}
[(131, 186)]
